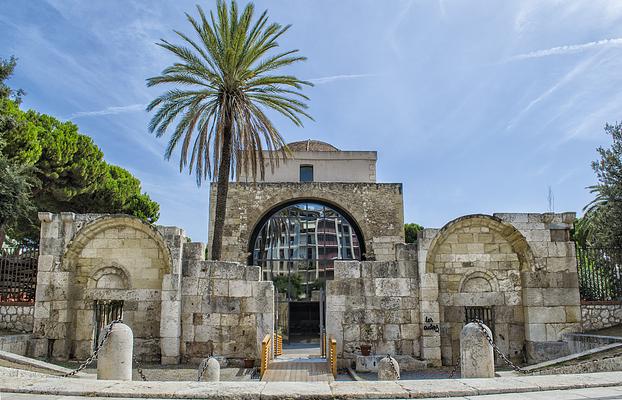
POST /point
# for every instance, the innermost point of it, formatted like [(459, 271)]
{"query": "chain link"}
[(393, 366), (454, 369), (93, 356), (496, 349), (202, 368), (139, 369)]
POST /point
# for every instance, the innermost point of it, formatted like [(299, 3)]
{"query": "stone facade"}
[(377, 208), (377, 304), (521, 265), (16, 318), (599, 316), (89, 258), (226, 309)]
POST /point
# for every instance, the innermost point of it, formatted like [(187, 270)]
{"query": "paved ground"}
[(300, 363), (609, 393)]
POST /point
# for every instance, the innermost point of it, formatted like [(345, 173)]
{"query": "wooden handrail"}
[(278, 345), (332, 356), (265, 354)]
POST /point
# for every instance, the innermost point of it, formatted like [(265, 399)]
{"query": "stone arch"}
[(516, 239), (279, 205), (468, 284), (117, 257), (115, 275), (92, 228), (479, 260)]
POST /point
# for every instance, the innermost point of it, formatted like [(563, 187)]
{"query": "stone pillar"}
[(388, 369), (115, 357), (170, 307), (211, 373), (477, 358), (430, 340)]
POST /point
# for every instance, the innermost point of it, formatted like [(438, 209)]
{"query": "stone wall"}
[(226, 311), (16, 318), (86, 258), (376, 208), (523, 266), (599, 316), (374, 303)]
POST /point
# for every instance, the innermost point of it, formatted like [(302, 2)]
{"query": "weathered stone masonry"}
[(16, 318), (84, 258), (377, 208)]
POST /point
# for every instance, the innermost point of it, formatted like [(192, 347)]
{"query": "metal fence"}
[(18, 274), (600, 274)]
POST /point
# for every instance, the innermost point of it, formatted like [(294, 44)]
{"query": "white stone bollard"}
[(211, 372), (114, 361), (477, 358), (388, 369)]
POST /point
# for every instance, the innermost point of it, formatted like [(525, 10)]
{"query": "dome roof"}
[(311, 145)]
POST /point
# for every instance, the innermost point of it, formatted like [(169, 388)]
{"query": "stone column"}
[(476, 354), (430, 320), (115, 357), (170, 311)]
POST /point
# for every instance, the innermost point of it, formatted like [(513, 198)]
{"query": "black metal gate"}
[(484, 314), (105, 311)]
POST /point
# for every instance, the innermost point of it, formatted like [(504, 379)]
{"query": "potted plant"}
[(249, 361), (365, 349)]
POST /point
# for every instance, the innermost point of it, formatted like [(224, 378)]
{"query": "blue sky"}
[(476, 106)]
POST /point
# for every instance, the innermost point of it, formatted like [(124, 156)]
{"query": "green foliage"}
[(603, 216), (62, 169), (224, 79), (6, 70), (15, 189), (291, 284), (410, 232)]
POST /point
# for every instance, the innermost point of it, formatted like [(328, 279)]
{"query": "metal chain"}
[(454, 369), (393, 366), (139, 369), (93, 356), (202, 368), (496, 349)]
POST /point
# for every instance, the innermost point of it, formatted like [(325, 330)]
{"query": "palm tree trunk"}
[(221, 191)]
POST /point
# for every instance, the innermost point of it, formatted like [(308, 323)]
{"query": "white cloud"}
[(333, 78), (109, 111), (569, 49)]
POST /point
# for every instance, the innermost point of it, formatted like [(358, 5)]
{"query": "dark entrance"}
[(105, 311), (296, 246)]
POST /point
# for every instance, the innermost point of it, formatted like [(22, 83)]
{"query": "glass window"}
[(306, 173), (304, 239)]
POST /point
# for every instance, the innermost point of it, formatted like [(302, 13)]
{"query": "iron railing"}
[(18, 274), (600, 274)]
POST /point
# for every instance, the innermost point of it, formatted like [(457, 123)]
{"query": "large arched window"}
[(303, 239)]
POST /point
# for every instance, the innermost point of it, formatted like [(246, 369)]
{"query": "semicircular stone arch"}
[(479, 260), (121, 258), (280, 205)]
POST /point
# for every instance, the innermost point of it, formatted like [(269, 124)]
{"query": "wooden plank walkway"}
[(298, 371), (298, 365)]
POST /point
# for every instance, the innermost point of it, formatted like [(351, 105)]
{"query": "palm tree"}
[(229, 81)]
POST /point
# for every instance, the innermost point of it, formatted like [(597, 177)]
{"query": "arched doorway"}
[(296, 245)]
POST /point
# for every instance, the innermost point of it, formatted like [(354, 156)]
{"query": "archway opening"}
[(296, 245)]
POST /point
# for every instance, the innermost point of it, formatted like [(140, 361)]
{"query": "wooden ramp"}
[(298, 366)]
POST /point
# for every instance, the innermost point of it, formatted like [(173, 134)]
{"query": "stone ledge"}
[(306, 390)]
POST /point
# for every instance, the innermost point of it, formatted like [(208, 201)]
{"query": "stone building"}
[(316, 245)]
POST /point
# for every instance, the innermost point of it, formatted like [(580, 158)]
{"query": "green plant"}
[(225, 79)]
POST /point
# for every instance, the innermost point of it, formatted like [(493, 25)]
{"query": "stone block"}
[(392, 286), (561, 296), (347, 270), (239, 288), (535, 332), (547, 315)]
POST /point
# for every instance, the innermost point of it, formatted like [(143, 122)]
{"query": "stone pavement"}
[(608, 382), (606, 393), (299, 364)]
